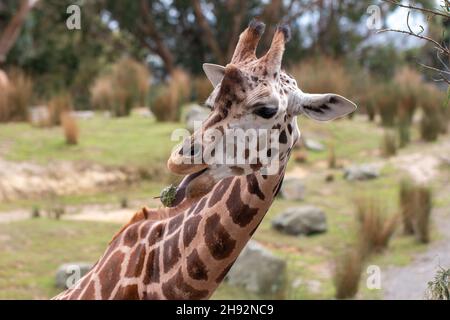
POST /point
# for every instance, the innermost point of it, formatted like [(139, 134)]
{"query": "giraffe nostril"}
[(195, 149)]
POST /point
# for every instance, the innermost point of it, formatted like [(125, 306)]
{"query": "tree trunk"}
[(12, 31)]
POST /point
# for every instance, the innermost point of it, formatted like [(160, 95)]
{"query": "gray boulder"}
[(38, 115), (258, 270), (313, 145), (69, 273), (194, 114), (361, 172), (305, 220), (292, 189)]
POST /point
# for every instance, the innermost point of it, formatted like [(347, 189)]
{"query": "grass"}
[(131, 141), (32, 250)]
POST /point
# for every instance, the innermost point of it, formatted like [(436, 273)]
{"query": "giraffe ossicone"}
[(184, 251)]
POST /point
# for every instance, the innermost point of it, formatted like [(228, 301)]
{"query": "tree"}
[(12, 28), (437, 36)]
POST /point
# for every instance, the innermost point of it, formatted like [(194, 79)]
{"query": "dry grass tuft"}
[(347, 274), (375, 227), (332, 161), (166, 106), (126, 86), (416, 202), (58, 105), (423, 213), (202, 89), (389, 144), (322, 75), (15, 96), (407, 200), (71, 131)]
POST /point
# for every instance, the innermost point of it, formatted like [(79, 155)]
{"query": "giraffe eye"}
[(265, 112)]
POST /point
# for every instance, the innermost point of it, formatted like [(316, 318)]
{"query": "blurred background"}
[(90, 92)]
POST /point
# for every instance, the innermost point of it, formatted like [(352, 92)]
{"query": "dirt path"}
[(25, 179), (410, 282), (88, 212)]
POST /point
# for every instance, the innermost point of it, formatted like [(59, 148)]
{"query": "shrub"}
[(423, 213), (434, 120), (387, 96), (332, 163), (407, 199), (404, 131), (347, 274), (439, 288), (322, 75), (389, 144), (15, 96), (375, 227), (70, 127), (202, 89), (103, 96), (430, 124), (166, 106), (58, 105), (416, 205), (124, 87)]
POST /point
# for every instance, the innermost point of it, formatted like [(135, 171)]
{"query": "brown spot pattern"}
[(217, 238), (177, 289), (152, 267), (190, 230), (195, 266), (171, 253), (241, 213), (110, 274)]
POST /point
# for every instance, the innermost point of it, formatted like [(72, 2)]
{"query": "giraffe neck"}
[(187, 255)]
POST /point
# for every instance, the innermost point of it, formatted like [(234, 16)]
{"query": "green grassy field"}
[(132, 141), (31, 250)]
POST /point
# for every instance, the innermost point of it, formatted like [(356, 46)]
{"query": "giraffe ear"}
[(214, 72), (321, 107)]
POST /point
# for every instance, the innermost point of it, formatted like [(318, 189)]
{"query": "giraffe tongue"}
[(181, 189)]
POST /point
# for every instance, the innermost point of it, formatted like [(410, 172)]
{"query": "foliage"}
[(439, 288), (124, 87), (15, 96), (166, 106), (389, 144)]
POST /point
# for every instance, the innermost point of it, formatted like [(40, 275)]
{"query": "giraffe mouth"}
[(181, 189)]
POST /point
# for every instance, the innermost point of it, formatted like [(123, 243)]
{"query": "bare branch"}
[(437, 44), (430, 11)]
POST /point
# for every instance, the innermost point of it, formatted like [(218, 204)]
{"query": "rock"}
[(194, 114), (313, 145), (69, 273), (292, 189), (258, 270), (361, 172), (86, 114), (39, 115), (143, 112), (304, 220)]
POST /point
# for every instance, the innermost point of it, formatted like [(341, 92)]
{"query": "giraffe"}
[(184, 251)]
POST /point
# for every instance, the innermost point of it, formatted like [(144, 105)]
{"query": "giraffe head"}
[(250, 94)]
